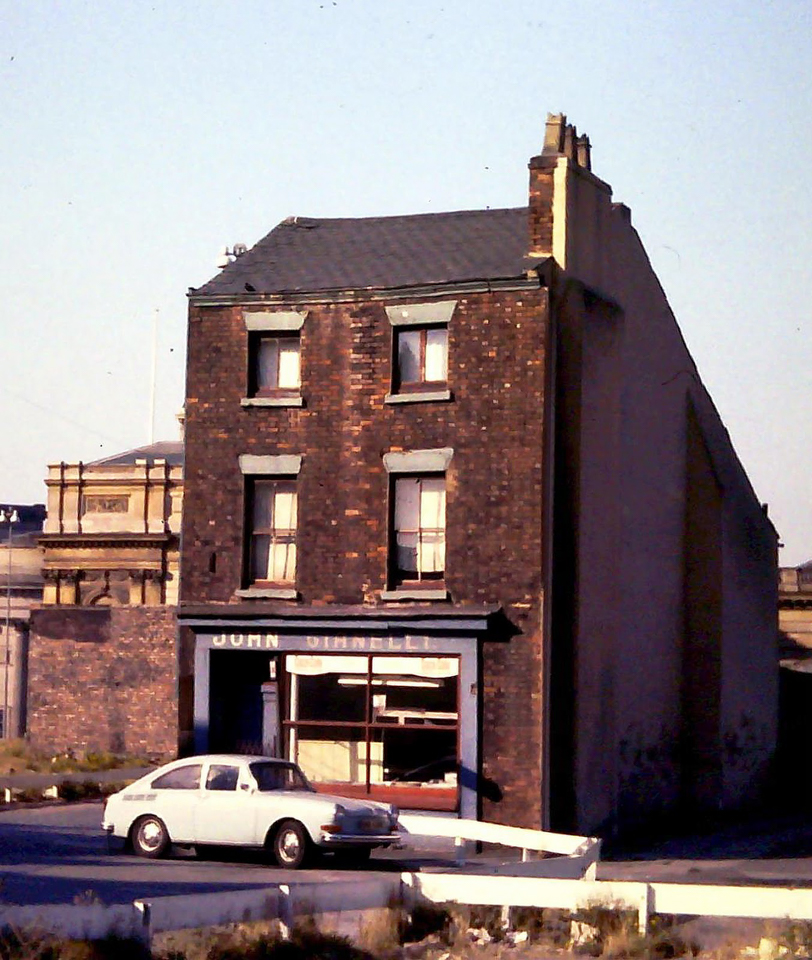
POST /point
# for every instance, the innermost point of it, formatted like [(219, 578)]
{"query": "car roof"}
[(229, 758)]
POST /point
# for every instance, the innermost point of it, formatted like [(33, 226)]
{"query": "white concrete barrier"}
[(574, 856), (701, 900), (76, 922), (286, 902), (150, 915)]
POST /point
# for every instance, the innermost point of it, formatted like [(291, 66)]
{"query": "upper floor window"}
[(271, 522), (272, 548), (274, 358), (422, 358), (420, 351), (276, 368), (417, 534), (419, 530)]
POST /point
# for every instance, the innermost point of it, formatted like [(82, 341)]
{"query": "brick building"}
[(462, 527), (102, 655)]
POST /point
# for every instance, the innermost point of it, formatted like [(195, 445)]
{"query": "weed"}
[(424, 920), (32, 945), (87, 898), (18, 756), (793, 937), (111, 948), (86, 790), (542, 924), (305, 943), (382, 930)]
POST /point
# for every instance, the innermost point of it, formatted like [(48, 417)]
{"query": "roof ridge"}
[(307, 222)]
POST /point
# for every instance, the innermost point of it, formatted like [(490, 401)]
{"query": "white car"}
[(245, 801)]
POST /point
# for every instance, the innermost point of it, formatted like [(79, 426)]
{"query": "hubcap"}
[(150, 834), (289, 845)]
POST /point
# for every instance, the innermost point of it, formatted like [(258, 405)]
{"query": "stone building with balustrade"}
[(102, 656)]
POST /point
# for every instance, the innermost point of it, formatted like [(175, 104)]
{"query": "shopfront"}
[(393, 715)]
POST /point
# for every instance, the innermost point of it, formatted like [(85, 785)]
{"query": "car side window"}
[(182, 778), (222, 777)]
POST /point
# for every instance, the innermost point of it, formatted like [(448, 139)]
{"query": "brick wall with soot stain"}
[(494, 513), (103, 679)]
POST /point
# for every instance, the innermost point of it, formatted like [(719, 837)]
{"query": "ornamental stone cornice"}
[(115, 540)]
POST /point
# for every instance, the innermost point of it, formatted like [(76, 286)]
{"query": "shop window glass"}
[(374, 721)]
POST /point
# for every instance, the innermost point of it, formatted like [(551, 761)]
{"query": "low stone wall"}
[(103, 679)]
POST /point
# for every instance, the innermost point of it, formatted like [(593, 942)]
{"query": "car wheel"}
[(291, 845), (149, 837)]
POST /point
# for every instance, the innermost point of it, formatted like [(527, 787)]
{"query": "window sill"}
[(414, 593), (267, 593), (272, 402), (419, 396)]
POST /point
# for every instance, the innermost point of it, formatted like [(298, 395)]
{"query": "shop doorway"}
[(237, 705)]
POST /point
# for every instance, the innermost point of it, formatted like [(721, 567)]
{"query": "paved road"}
[(772, 851), (57, 854)]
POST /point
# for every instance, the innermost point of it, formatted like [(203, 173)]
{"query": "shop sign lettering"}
[(365, 644), (248, 641), (271, 641)]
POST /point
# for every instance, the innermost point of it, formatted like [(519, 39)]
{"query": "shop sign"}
[(272, 641)]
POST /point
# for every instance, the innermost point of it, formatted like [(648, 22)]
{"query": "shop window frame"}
[(438, 797)]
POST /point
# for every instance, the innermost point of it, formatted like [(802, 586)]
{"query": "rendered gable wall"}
[(669, 593)]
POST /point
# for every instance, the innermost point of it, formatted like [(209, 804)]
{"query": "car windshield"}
[(278, 776)]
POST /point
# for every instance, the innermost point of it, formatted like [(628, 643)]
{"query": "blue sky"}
[(138, 138)]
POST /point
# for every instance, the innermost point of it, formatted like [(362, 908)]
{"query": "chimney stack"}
[(560, 140)]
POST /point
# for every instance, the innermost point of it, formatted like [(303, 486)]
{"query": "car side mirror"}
[(246, 787)]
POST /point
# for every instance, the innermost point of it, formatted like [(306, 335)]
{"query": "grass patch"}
[(31, 945), (18, 756)]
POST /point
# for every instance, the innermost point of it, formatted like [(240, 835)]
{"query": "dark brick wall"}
[(497, 373), (540, 209), (103, 679)]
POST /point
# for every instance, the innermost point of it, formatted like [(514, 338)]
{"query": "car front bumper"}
[(335, 841)]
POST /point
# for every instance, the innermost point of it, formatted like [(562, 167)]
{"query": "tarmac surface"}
[(57, 853)]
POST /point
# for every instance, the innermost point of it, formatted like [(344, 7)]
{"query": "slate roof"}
[(169, 450), (305, 255)]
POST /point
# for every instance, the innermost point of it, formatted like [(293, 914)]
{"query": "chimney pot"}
[(584, 152), (569, 141), (554, 133)]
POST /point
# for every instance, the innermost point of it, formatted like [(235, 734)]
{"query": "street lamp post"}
[(7, 515)]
